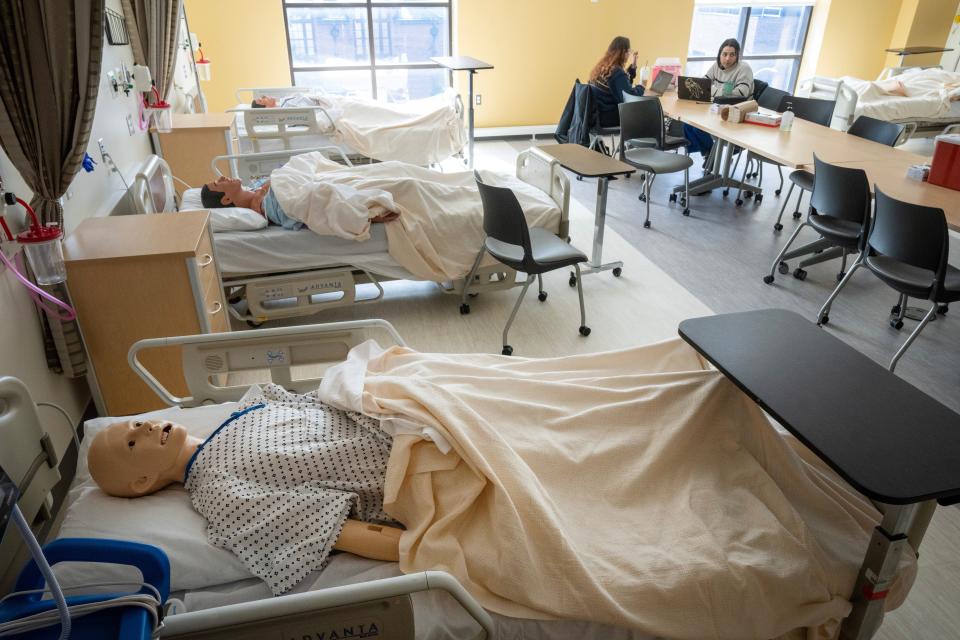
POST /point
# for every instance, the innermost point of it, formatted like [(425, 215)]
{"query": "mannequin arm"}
[(375, 541)]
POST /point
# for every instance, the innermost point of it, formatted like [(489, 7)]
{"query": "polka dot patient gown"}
[(278, 479)]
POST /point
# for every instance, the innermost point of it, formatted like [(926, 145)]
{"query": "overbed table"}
[(471, 66), (893, 443), (592, 164)]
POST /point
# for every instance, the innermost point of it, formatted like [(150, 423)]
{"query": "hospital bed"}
[(272, 129), (274, 273)]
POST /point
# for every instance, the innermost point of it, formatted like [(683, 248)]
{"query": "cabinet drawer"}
[(205, 264), (216, 310)]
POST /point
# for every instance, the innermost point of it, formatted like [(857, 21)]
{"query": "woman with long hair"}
[(611, 81), (729, 76)]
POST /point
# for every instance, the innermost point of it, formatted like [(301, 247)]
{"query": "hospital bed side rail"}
[(834, 89), (248, 94), (209, 359), (543, 171), (275, 614), (248, 166)]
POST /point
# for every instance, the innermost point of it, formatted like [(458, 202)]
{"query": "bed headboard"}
[(253, 166), (152, 189)]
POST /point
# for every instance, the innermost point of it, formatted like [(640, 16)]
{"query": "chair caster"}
[(759, 198), (542, 296), (253, 324), (738, 202), (783, 268), (942, 309), (686, 211), (726, 192), (895, 310), (776, 192), (617, 271), (778, 227), (896, 323), (507, 350), (580, 178), (673, 197), (646, 224), (768, 279), (797, 215), (472, 295), (748, 195), (824, 320), (584, 331), (799, 274), (572, 281), (642, 197), (840, 276), (464, 309)]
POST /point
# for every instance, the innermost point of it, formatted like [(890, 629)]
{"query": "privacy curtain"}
[(50, 53), (153, 27)]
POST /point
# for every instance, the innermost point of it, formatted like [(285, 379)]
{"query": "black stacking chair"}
[(768, 98), (771, 98), (907, 248), (839, 212), (531, 251), (643, 120), (878, 131), (664, 141)]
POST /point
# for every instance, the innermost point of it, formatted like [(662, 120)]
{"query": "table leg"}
[(877, 572), (599, 223), (718, 175), (471, 73)]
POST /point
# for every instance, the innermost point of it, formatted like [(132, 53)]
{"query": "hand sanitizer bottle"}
[(786, 120)]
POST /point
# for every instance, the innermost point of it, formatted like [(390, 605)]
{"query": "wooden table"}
[(592, 164), (471, 66), (890, 441), (193, 142)]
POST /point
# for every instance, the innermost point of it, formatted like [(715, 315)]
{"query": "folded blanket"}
[(637, 488)]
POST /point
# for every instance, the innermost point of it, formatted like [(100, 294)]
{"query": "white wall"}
[(91, 194)]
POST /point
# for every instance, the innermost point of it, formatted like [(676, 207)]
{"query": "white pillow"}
[(165, 519), (224, 218)]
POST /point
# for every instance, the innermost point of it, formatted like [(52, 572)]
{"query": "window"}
[(772, 37), (368, 48)]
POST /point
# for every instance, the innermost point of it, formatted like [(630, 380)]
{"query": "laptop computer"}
[(693, 88), (660, 84)]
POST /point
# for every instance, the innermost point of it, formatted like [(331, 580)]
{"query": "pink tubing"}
[(39, 295)]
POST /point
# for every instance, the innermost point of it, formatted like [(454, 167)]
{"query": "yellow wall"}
[(855, 36), (246, 42), (922, 23)]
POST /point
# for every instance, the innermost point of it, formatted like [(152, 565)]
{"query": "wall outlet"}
[(478, 99), (130, 129), (103, 149)]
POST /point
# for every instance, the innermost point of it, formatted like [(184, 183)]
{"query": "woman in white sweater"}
[(728, 75)]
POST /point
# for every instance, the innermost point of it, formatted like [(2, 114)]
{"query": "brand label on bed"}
[(367, 630)]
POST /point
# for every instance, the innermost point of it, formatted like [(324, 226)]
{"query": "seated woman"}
[(610, 81), (729, 77)]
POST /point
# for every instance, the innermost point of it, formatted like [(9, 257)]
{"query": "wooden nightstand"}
[(193, 142), (135, 277)]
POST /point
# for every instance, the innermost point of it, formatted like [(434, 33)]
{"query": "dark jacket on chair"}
[(578, 117)]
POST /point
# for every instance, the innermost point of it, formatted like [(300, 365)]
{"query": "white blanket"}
[(929, 93), (440, 225)]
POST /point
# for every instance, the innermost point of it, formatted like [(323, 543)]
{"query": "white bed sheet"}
[(214, 577)]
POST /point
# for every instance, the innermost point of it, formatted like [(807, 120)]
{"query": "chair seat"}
[(605, 131), (549, 252), (915, 281), (675, 142), (803, 179), (656, 161), (836, 229)]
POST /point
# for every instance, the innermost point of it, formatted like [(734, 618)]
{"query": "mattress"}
[(167, 520), (276, 250)]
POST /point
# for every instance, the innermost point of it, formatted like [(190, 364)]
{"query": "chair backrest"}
[(503, 217), (629, 97), (879, 131), (810, 109), (642, 118), (910, 233), (841, 192), (759, 86), (771, 98)]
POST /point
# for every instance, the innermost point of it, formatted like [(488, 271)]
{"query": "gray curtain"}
[(153, 27), (50, 52)]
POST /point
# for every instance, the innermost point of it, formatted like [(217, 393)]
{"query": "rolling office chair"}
[(531, 251), (668, 143), (643, 120), (907, 248), (839, 212), (878, 131)]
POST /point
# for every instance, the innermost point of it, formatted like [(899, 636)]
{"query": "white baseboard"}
[(527, 130)]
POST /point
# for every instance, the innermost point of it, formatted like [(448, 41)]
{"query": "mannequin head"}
[(137, 457), (229, 192), (264, 102)]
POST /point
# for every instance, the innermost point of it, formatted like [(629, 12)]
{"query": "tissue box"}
[(765, 119)]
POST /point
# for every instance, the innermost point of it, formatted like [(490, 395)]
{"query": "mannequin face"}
[(137, 457), (234, 195), (266, 101)]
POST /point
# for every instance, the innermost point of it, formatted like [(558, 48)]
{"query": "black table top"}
[(888, 439), (910, 51), (587, 162), (461, 63)]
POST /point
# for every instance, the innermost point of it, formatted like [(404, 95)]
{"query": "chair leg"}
[(823, 316), (584, 329), (780, 188), (743, 177), (776, 262), (686, 191), (733, 171), (464, 307), (507, 349), (796, 212), (646, 193), (777, 226), (542, 295), (913, 336)]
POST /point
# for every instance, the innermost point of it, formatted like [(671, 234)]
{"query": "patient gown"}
[(279, 478)]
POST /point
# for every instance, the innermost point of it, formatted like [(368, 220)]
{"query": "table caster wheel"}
[(797, 215), (840, 276), (584, 331), (464, 309), (738, 202), (776, 192), (942, 309), (686, 211), (768, 279), (799, 274), (748, 195), (542, 296), (726, 192), (617, 271), (783, 268), (759, 198), (895, 310), (673, 197), (572, 281), (646, 224), (642, 198), (778, 227), (507, 350), (824, 320), (896, 323)]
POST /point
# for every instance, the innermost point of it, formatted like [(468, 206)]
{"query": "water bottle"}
[(786, 120)]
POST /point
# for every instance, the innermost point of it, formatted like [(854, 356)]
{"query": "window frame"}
[(745, 13), (373, 66)]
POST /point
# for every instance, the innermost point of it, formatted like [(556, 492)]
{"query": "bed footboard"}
[(251, 166), (544, 172), (825, 88)]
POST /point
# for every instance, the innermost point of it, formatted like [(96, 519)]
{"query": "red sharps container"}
[(945, 167)]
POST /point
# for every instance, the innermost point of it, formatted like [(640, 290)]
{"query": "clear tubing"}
[(45, 569)]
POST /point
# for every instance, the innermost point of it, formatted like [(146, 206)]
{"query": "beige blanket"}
[(637, 488)]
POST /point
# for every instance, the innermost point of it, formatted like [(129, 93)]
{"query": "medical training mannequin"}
[(135, 458)]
